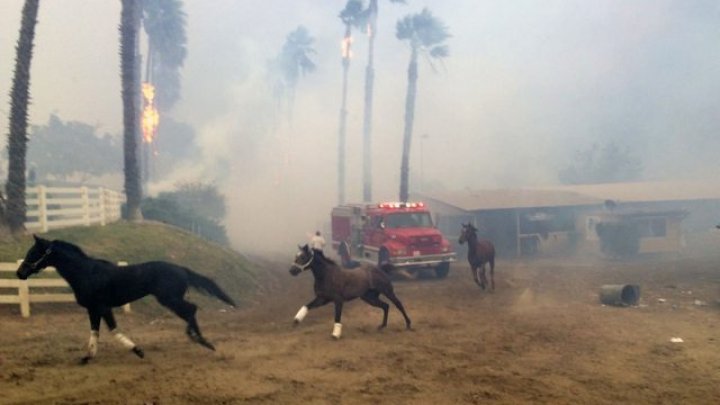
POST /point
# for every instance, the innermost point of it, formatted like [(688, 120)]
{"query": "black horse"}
[(333, 284), (479, 252), (99, 286)]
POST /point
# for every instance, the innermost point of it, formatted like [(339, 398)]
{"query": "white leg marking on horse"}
[(337, 330), (93, 343), (124, 340), (301, 314)]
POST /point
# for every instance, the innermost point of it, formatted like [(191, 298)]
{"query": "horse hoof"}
[(381, 327), (138, 352), (295, 323), (207, 344), (85, 360)]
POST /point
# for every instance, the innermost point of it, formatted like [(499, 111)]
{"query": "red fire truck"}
[(401, 233)]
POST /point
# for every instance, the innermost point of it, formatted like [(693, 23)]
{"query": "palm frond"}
[(440, 51), (429, 29), (422, 29), (354, 14), (405, 28)]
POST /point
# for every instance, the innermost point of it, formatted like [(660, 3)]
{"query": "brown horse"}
[(336, 285), (479, 252)]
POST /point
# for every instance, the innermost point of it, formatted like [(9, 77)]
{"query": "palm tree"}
[(293, 61), (371, 15), (17, 137), (129, 30), (425, 34), (164, 23), (352, 15)]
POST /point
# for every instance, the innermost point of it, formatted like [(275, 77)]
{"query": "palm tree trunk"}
[(343, 117), (129, 30), (367, 114), (17, 138), (409, 120)]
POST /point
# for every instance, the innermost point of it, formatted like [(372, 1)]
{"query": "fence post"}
[(86, 205), (126, 307), (101, 202), (24, 296), (42, 208)]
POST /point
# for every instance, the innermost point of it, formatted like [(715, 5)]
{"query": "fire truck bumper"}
[(422, 261)]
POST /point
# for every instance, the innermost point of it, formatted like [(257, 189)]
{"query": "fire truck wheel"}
[(442, 270)]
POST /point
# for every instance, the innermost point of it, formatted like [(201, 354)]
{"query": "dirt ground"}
[(541, 337)]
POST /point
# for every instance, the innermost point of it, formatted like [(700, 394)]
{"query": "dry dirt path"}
[(542, 337)]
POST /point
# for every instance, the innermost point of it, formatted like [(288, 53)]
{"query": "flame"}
[(345, 46), (150, 115)]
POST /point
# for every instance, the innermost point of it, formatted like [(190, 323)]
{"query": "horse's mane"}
[(68, 247), (326, 259)]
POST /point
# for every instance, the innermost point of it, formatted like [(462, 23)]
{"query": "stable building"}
[(564, 219)]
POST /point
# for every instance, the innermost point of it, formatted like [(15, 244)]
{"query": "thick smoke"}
[(525, 86)]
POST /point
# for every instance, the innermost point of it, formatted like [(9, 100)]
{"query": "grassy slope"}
[(134, 243)]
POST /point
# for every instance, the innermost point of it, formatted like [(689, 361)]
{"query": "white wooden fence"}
[(24, 294), (60, 207)]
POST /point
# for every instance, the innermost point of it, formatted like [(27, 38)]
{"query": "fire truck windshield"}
[(408, 220)]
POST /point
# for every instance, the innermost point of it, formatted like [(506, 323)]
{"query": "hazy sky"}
[(526, 84)]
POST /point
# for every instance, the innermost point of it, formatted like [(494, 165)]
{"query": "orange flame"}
[(345, 46), (150, 115)]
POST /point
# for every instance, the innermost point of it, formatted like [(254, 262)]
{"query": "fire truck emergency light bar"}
[(401, 205)]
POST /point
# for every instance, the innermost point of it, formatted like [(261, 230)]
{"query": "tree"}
[(205, 199), (424, 34), (371, 15), (197, 207), (16, 210), (129, 30), (293, 61), (352, 16), (57, 144), (164, 23), (606, 163)]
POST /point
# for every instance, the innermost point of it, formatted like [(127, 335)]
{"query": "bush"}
[(169, 210)]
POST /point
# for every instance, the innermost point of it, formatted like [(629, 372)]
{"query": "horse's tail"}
[(207, 286)]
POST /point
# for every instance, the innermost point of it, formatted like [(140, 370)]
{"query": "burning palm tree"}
[(164, 23), (17, 138), (371, 16), (352, 15), (424, 34), (129, 30)]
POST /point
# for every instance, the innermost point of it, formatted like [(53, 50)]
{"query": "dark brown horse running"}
[(336, 285), (479, 252)]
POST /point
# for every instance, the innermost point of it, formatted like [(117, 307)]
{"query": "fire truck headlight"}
[(445, 249), (400, 252)]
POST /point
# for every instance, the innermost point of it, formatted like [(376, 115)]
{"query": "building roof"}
[(647, 191), (576, 195), (510, 198)]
